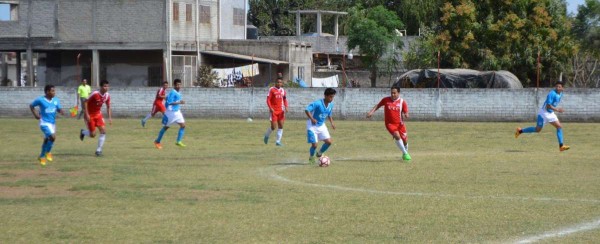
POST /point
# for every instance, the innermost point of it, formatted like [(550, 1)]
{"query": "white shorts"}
[(546, 117), (316, 133), (174, 117), (47, 128)]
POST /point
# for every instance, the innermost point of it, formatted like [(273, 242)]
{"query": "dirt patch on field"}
[(198, 195), (34, 192)]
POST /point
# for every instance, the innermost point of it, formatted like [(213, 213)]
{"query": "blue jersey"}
[(319, 111), (174, 96), (553, 99), (48, 108)]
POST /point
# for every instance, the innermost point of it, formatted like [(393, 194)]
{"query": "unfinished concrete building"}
[(133, 43)]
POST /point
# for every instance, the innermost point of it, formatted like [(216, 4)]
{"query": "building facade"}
[(128, 42)]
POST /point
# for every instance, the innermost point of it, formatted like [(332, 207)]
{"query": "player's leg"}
[(559, 135), (180, 135), (311, 137), (272, 122), (323, 135), (51, 138), (537, 128), (91, 128), (149, 115), (101, 139), (280, 123), (42, 157)]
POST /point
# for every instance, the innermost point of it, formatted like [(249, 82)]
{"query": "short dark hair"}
[(176, 81), (329, 91), (395, 87), (103, 82), (165, 82), (559, 82), (47, 88)]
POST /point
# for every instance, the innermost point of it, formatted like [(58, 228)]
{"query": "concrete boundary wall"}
[(581, 105)]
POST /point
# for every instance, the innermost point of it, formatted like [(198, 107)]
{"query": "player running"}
[(316, 130), (546, 115), (278, 106), (159, 104), (93, 115), (173, 115), (394, 108), (49, 106)]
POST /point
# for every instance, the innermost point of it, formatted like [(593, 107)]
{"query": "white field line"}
[(272, 172), (562, 232)]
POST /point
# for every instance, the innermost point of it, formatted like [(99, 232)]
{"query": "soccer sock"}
[(268, 133), (559, 135), (180, 134), (400, 145), (86, 133), (43, 148), (528, 130), (101, 139), (312, 151), (49, 145), (406, 146), (324, 148), (279, 134), (147, 117), (161, 134), (164, 120)]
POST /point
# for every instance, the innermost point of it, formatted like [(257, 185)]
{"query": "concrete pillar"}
[(17, 81), (3, 69), (319, 24), (95, 82), (30, 68), (336, 27), (298, 29)]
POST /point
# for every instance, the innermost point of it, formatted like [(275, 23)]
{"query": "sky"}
[(571, 8)]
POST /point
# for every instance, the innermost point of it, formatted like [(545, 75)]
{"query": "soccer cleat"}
[(266, 139), (564, 148), (518, 132), (81, 135), (278, 144), (98, 153), (49, 157), (157, 145), (180, 144), (319, 155), (42, 161), (406, 157), (143, 123), (312, 160)]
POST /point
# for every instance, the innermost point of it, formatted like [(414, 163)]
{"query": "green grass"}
[(467, 183)]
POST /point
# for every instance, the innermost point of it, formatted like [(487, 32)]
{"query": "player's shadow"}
[(514, 151), (290, 163), (370, 160)]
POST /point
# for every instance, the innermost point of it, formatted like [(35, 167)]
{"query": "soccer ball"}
[(324, 161)]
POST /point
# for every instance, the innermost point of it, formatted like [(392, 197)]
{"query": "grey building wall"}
[(228, 29), (424, 104)]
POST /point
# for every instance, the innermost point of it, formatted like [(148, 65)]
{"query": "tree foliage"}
[(373, 31), (507, 35), (586, 30)]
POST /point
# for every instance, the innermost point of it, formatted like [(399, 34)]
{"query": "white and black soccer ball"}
[(324, 161)]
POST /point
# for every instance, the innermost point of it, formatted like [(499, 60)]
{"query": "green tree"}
[(586, 30), (373, 31), (507, 34)]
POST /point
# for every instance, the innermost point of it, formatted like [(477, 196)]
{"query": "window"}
[(238, 16), (204, 14), (175, 11), (9, 12), (188, 13)]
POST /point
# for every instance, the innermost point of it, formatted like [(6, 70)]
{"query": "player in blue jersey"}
[(173, 115), (546, 115), (49, 106), (316, 130)]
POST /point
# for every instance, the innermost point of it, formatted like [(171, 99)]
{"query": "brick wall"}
[(424, 104)]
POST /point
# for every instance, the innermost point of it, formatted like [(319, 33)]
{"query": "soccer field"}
[(467, 183)]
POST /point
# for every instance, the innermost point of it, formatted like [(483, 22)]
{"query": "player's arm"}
[(60, 110), (285, 102), (549, 106), (36, 115), (309, 115), (331, 122), (404, 110), (370, 113), (87, 113), (109, 111), (271, 110)]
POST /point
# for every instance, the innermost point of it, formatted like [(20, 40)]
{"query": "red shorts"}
[(158, 106), (278, 116), (400, 128), (96, 120)]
